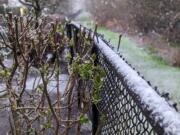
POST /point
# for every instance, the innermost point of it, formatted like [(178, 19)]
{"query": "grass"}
[(148, 63)]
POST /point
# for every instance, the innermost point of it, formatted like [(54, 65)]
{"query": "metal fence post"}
[(75, 35), (68, 30), (95, 112), (69, 35), (95, 119)]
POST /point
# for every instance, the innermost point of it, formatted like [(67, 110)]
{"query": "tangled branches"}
[(33, 87)]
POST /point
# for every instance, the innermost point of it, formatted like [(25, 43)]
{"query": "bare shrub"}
[(34, 109)]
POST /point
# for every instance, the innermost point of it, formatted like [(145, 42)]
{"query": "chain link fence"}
[(123, 115), (124, 109)]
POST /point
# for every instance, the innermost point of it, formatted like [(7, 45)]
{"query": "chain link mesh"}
[(122, 114)]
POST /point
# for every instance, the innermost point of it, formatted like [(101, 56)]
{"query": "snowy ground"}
[(14, 3), (150, 65)]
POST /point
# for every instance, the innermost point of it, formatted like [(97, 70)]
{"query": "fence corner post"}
[(95, 111), (95, 119)]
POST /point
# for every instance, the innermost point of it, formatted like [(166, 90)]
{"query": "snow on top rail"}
[(151, 101), (159, 111)]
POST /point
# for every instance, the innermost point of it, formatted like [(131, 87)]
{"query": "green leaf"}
[(86, 70), (5, 73), (47, 125), (69, 57), (83, 119), (96, 99)]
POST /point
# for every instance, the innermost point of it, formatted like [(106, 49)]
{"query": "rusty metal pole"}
[(119, 43)]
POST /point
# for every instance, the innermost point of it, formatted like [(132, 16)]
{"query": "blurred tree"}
[(144, 17), (160, 16)]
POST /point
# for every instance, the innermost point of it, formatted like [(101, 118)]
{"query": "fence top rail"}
[(158, 109)]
